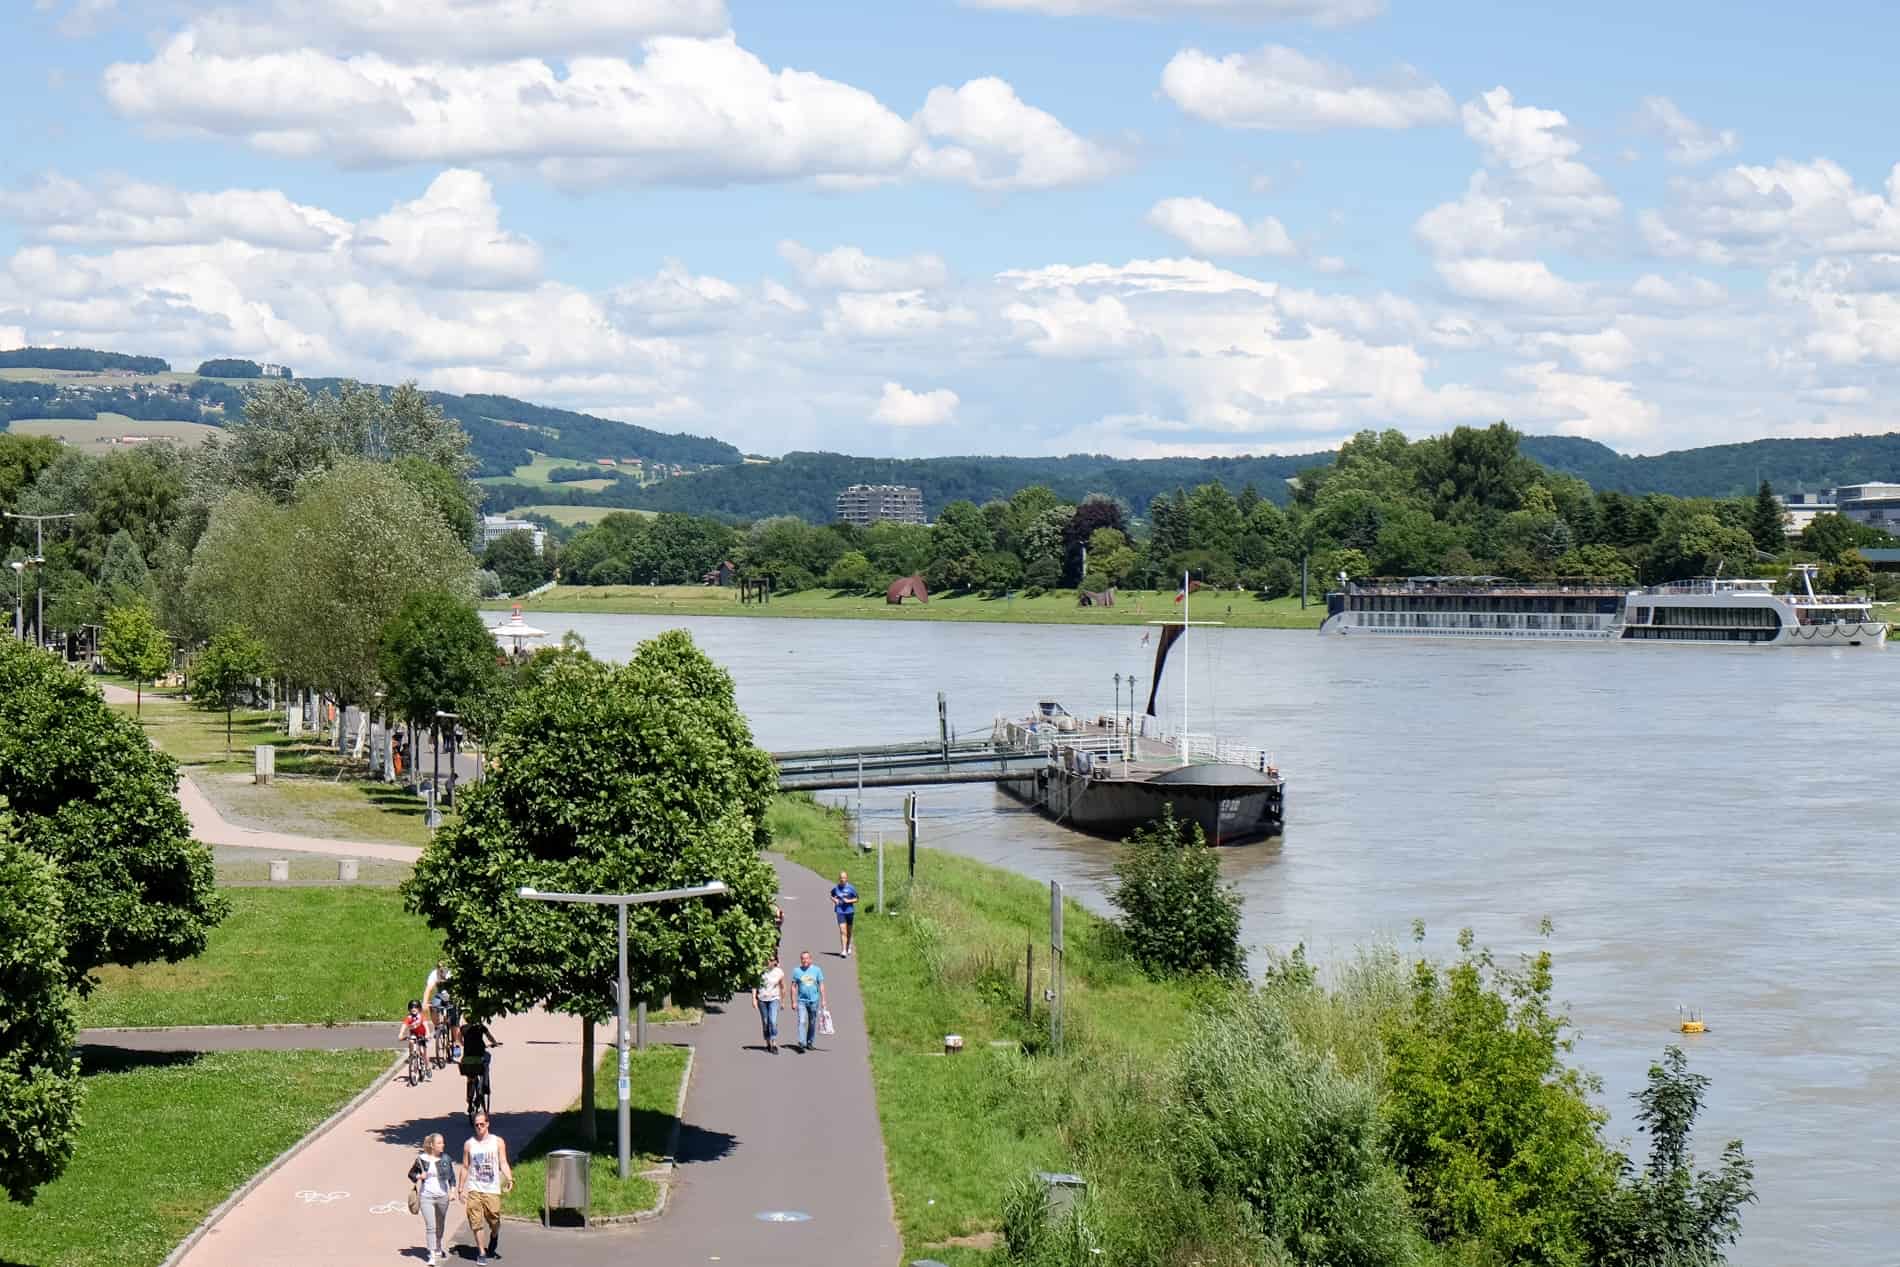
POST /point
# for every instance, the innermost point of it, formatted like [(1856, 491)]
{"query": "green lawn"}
[(291, 955), (573, 516), (166, 1138), (536, 472), (1134, 607), (949, 960), (654, 1092), (315, 792)]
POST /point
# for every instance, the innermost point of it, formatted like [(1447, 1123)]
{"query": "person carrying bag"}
[(431, 1188)]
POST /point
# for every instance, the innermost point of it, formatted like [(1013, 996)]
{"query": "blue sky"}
[(1125, 226)]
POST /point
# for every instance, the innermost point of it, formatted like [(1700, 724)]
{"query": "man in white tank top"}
[(485, 1176)]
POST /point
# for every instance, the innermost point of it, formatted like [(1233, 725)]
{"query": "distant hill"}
[(1725, 470), (80, 359), (807, 484)]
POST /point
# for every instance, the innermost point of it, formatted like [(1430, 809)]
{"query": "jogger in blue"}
[(808, 980), (844, 902)]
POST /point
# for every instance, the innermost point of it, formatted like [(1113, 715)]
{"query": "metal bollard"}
[(346, 869), (279, 870), (266, 763)]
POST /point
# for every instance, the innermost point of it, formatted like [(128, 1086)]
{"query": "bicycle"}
[(418, 1066), (478, 1094), (441, 1057)]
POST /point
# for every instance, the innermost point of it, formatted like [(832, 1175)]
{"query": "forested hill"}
[(807, 484), (1724, 470), (84, 359)]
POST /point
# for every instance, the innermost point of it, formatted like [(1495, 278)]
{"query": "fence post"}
[(881, 908), (910, 830), (1055, 966), (1029, 982)]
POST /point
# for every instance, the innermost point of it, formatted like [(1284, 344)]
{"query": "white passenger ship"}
[(1736, 611), (1749, 611), (1475, 607)]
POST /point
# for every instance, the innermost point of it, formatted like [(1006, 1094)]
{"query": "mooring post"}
[(1055, 966), (943, 727), (910, 830)]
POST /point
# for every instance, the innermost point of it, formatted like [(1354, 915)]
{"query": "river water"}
[(1705, 826)]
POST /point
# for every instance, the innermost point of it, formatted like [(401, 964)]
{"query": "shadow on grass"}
[(96, 1058)]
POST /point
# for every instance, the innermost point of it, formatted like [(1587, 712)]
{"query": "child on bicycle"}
[(415, 1029)]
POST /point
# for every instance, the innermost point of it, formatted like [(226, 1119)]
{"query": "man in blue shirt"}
[(808, 986), (844, 900)]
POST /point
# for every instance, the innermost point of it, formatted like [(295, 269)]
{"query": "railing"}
[(1202, 747)]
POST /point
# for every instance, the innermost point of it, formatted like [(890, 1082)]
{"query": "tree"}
[(1670, 1214), (607, 780), (39, 1075), (1767, 521), (135, 646), (852, 571), (444, 490), (22, 458), (1496, 1136), (94, 798), (123, 576), (436, 656), (1176, 914), (228, 669), (1595, 562), (1830, 536), (513, 558)]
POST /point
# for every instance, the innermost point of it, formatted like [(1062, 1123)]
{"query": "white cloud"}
[(1517, 283), (1607, 351), (450, 236), (989, 138), (1067, 325), (1281, 89), (850, 268), (1207, 229), (901, 407), (58, 209), (1158, 276), (1320, 12), (1585, 404), (1684, 292), (891, 315), (1690, 142), (690, 111), (1532, 191), (475, 29), (1764, 214)]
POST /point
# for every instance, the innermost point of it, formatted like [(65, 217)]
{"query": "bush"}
[(39, 1076), (572, 474), (1176, 914), (1034, 591), (1276, 578)]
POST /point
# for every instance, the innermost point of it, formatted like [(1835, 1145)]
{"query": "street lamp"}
[(19, 599), (39, 560), (621, 901), (455, 720)]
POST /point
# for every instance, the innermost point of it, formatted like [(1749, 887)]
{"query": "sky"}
[(1134, 227)]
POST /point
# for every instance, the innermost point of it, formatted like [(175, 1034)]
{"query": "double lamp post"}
[(621, 901)]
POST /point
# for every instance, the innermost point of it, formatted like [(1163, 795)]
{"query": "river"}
[(1706, 827)]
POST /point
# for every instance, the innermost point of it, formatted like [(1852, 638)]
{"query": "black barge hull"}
[(1233, 804)]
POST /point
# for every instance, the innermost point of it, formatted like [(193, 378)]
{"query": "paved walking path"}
[(764, 1133), (208, 825), (340, 1200)]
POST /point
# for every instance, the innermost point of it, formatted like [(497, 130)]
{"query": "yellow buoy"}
[(1693, 1027)]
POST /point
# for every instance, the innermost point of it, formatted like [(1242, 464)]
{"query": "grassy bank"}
[(1058, 608), (167, 1137), (950, 960), (655, 1086), (293, 955), (315, 792)]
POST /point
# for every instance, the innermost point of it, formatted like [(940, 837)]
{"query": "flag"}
[(1191, 587), (1170, 634)]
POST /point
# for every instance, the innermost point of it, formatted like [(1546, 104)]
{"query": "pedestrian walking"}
[(770, 991), (844, 902), (808, 983), (485, 1176), (433, 1173), (778, 928)]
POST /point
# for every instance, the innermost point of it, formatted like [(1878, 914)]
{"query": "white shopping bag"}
[(825, 1027)]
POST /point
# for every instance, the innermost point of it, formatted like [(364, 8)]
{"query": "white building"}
[(1876, 504), (866, 504), (494, 527), (1800, 509)]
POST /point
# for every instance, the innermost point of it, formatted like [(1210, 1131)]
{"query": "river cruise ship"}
[(1475, 607), (1749, 612)]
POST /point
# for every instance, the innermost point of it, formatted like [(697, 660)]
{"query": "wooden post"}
[(588, 1132), (1029, 983), (910, 830), (943, 727), (1055, 966)]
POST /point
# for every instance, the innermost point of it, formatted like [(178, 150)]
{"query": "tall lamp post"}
[(622, 901), (39, 560), (19, 599), (454, 720)]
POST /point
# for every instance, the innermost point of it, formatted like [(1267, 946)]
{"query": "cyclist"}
[(448, 1021), (415, 1031), (477, 1055)]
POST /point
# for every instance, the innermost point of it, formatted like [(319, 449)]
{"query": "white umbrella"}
[(515, 633)]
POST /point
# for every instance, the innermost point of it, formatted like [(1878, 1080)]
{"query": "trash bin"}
[(567, 1186)]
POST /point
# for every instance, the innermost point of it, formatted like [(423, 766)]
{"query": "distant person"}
[(768, 995), (778, 928), (486, 1175), (808, 984), (844, 901), (433, 1173)]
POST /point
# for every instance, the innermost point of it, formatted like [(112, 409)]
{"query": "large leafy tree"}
[(607, 780), (135, 646), (39, 1076), (228, 669), (436, 656), (22, 458), (513, 558), (100, 803)]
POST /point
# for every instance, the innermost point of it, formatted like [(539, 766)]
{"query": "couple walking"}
[(806, 983), (478, 1183)]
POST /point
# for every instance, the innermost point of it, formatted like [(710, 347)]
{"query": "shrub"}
[(1034, 591), (39, 1076), (1176, 914)]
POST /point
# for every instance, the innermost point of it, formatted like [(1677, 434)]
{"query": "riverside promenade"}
[(780, 1159)]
